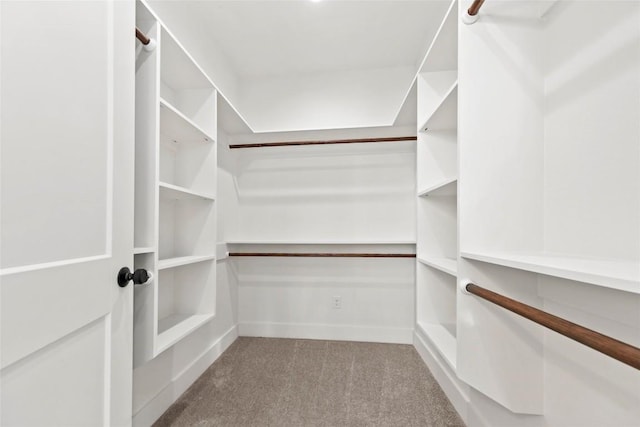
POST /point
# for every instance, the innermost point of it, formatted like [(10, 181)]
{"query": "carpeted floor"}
[(286, 382)]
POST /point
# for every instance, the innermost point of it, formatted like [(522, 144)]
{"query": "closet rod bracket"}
[(148, 44), (471, 15)]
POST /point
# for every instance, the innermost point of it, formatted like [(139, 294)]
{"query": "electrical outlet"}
[(337, 302)]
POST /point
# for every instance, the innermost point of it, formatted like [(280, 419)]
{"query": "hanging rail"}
[(326, 142), (140, 36), (320, 255), (618, 350), (147, 42), (471, 15), (475, 7)]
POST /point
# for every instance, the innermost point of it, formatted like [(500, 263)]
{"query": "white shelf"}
[(446, 116), (173, 328), (175, 192), (447, 265), (446, 187), (435, 91), (442, 340), (183, 260), (621, 275), (147, 250), (179, 128)]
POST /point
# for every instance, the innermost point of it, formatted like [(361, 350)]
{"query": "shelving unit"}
[(549, 212), (437, 207), (176, 185)]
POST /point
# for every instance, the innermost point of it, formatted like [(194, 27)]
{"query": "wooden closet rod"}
[(148, 43), (619, 350), (475, 7), (321, 255), (326, 142), (140, 36)]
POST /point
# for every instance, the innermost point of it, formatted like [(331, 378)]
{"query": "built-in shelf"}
[(446, 187), (175, 327), (178, 127), (444, 113), (447, 265), (442, 339), (176, 170), (146, 250), (437, 188), (183, 260), (175, 192), (621, 275)]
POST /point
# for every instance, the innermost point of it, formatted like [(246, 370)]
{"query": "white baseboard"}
[(153, 409), (326, 332), (456, 390)]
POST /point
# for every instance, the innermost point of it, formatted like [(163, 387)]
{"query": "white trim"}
[(157, 405), (53, 264), (456, 390), (326, 332)]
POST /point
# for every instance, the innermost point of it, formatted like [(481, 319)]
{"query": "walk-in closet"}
[(320, 212)]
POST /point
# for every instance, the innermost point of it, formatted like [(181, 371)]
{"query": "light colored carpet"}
[(287, 382)]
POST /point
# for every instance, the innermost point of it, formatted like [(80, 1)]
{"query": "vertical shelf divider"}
[(437, 213)]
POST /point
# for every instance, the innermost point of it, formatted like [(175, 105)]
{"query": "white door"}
[(67, 129)]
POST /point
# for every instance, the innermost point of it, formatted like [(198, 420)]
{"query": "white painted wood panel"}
[(293, 297), (63, 381), (67, 212)]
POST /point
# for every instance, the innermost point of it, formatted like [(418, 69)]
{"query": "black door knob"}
[(139, 277)]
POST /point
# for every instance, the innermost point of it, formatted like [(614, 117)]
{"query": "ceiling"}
[(292, 65), (284, 37)]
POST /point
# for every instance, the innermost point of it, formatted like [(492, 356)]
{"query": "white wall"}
[(293, 297), (592, 136), (500, 133), (227, 197), (333, 100), (334, 193)]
